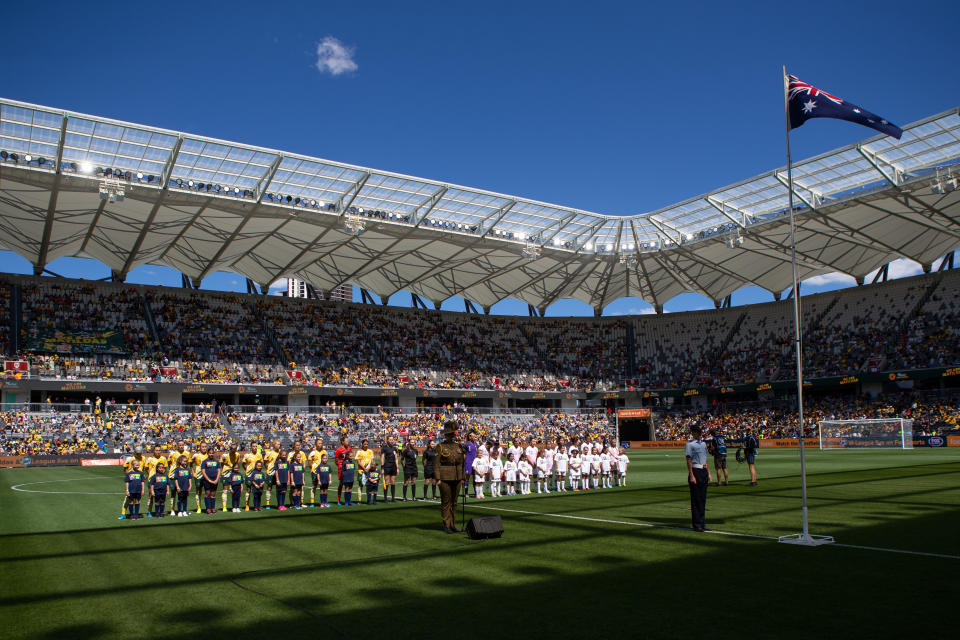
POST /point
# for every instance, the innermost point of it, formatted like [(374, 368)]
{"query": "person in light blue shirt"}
[(698, 477)]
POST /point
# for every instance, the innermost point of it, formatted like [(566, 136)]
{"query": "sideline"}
[(651, 525)]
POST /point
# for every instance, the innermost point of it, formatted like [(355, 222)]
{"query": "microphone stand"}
[(463, 503)]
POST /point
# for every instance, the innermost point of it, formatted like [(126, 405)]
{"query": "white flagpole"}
[(804, 536)]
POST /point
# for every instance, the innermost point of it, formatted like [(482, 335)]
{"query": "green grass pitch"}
[(571, 565)]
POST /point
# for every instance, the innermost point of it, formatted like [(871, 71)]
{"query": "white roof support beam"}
[(686, 282), (722, 208), (895, 180), (663, 226), (430, 204), (559, 290), (499, 214), (265, 180), (263, 185), (52, 205), (171, 161), (346, 200), (813, 202), (641, 275)]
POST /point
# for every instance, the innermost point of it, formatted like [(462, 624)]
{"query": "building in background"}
[(300, 289)]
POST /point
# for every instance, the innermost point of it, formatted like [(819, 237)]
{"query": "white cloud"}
[(633, 311), (279, 284), (830, 279), (334, 57)]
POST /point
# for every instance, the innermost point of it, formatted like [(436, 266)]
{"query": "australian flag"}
[(806, 101)]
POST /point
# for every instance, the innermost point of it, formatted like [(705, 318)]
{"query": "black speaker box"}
[(485, 527)]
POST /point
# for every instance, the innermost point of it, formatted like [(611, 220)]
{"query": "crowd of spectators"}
[(212, 337), (53, 432), (47, 306), (122, 430), (931, 415)]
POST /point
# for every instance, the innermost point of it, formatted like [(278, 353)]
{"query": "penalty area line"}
[(650, 525)]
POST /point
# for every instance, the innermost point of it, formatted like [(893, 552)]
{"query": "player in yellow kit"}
[(198, 459), (152, 462), (314, 458), (249, 461), (270, 458), (227, 460), (364, 458)]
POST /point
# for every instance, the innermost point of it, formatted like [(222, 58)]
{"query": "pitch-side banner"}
[(76, 342)]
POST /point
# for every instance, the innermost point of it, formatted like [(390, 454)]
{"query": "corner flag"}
[(806, 101)]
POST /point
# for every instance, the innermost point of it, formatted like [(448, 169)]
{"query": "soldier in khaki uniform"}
[(449, 472)]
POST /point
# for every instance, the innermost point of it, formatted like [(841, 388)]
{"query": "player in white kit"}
[(496, 474), (480, 468), (605, 469), (549, 453), (510, 474), (562, 461), (543, 475), (595, 470), (622, 462), (524, 469), (575, 462)]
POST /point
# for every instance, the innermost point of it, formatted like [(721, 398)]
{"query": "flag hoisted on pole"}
[(801, 102)]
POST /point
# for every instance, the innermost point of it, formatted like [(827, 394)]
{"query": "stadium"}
[(102, 376)]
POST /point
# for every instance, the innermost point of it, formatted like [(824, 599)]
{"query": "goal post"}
[(889, 433)]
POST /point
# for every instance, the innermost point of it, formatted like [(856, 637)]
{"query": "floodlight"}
[(190, 183), (28, 158), (86, 167), (236, 189), (139, 176)]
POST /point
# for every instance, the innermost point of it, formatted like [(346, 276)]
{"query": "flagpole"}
[(804, 537)]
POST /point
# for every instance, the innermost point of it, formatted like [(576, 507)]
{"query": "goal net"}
[(857, 434)]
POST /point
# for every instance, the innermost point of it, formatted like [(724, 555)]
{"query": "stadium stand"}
[(933, 414), (173, 335)]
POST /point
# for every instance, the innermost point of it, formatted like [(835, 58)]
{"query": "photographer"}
[(718, 448)]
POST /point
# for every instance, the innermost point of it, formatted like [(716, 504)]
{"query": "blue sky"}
[(614, 107)]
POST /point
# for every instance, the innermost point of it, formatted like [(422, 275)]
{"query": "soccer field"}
[(610, 563)]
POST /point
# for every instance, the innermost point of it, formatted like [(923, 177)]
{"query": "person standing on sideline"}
[(364, 459), (750, 446), (409, 457), (429, 468), (470, 454), (389, 460), (698, 477), (718, 448), (450, 473)]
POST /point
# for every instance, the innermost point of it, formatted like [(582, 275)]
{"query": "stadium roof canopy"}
[(127, 194)]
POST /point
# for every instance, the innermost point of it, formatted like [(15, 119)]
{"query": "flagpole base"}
[(806, 539)]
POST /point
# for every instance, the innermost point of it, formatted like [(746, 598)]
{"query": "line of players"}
[(247, 480), (575, 467)]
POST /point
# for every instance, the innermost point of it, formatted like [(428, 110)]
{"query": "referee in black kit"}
[(698, 477)]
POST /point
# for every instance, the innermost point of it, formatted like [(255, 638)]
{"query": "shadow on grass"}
[(642, 584)]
